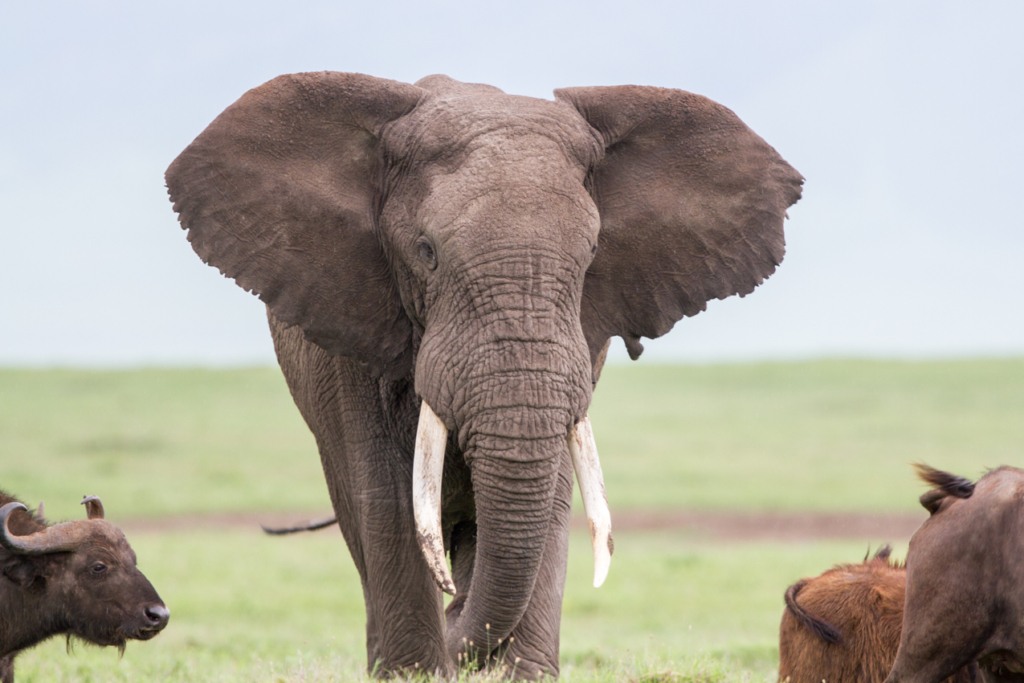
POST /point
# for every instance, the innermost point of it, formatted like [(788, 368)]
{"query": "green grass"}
[(251, 608), (828, 435), (157, 442)]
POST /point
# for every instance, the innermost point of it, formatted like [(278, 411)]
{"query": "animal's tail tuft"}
[(819, 627)]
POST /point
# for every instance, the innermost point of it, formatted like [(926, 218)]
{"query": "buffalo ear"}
[(946, 485), (931, 500), (22, 570), (280, 192), (692, 204)]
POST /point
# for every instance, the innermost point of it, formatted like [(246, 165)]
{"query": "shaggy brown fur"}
[(844, 626), (93, 592)]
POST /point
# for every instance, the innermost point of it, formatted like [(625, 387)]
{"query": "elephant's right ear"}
[(279, 194)]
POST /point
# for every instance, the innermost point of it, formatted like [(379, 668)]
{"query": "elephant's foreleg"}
[(369, 477), (403, 604), (370, 481)]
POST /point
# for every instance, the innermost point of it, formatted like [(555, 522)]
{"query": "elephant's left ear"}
[(692, 204)]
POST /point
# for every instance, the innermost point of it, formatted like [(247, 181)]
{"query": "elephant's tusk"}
[(427, 468), (588, 473)]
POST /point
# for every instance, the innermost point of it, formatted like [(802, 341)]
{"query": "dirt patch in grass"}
[(773, 526), (703, 525)]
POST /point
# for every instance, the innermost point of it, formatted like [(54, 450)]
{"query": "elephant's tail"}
[(311, 525)]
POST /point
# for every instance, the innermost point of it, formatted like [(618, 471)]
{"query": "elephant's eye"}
[(427, 253), (593, 249)]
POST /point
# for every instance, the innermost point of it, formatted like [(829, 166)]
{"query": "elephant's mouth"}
[(428, 467)]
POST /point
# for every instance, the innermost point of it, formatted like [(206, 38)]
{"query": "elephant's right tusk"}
[(595, 503), (427, 469)]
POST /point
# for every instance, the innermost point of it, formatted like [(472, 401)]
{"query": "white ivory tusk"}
[(427, 469), (599, 518)]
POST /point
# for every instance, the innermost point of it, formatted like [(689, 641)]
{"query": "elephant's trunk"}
[(510, 371), (514, 483)]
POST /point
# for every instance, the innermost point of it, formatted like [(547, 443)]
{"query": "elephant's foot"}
[(415, 671), (514, 662), (522, 663)]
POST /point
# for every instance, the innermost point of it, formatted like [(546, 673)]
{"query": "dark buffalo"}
[(74, 579), (844, 626), (965, 580)]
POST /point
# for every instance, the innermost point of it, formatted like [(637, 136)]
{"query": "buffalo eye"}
[(97, 568), (426, 250)]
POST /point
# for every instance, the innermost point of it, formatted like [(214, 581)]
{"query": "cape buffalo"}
[(74, 578), (844, 625), (965, 580)]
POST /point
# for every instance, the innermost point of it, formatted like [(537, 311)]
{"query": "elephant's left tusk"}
[(427, 470), (595, 503)]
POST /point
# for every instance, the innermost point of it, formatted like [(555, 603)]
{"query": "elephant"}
[(444, 266)]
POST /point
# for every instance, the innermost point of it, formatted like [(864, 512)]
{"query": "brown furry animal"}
[(965, 573), (75, 579), (844, 626)]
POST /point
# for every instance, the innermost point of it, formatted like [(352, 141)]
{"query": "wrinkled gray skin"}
[(965, 581), (450, 243)]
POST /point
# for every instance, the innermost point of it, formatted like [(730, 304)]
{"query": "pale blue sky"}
[(907, 118)]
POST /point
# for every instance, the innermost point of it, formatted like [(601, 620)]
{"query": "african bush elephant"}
[(444, 265)]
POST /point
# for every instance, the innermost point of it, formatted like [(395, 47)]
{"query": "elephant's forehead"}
[(445, 85), (447, 127)]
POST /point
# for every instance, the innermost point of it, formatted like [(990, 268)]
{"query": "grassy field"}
[(251, 608), (827, 435), (830, 435)]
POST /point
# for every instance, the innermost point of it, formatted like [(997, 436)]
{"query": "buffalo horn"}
[(427, 469), (57, 538), (583, 450), (93, 507)]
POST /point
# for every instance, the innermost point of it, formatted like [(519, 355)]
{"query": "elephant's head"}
[(490, 246)]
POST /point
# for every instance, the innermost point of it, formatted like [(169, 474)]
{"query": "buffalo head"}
[(74, 578)]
